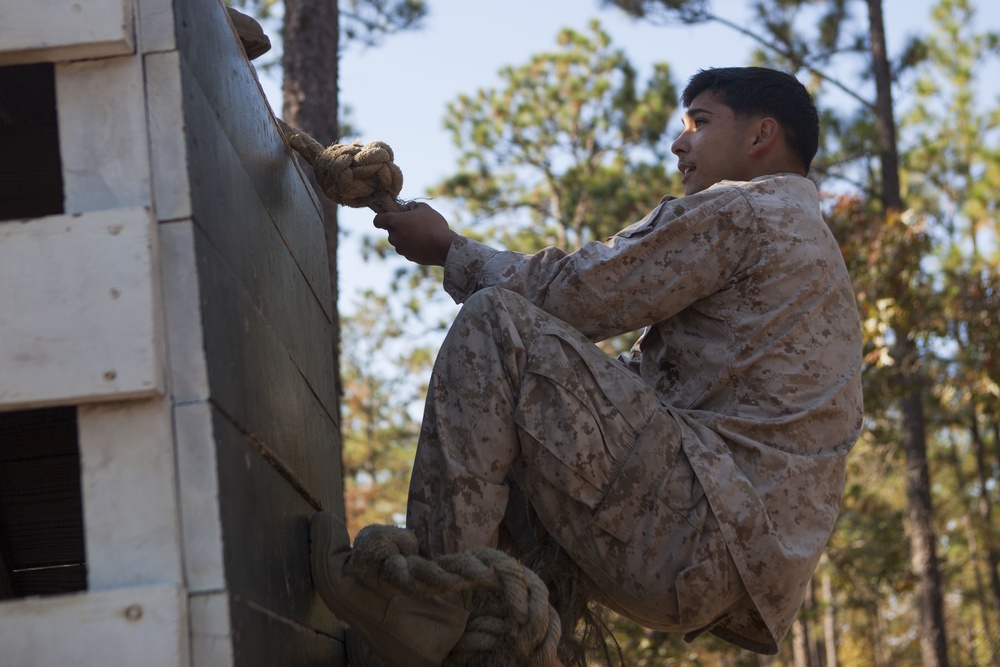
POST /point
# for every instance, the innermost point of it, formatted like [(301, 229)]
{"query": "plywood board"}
[(134, 626), (267, 640), (215, 68), (265, 526), (54, 30), (246, 236), (257, 384), (79, 308)]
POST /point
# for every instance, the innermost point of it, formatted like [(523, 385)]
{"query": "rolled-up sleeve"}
[(685, 250)]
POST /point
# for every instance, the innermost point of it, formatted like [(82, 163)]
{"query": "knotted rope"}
[(351, 174), (511, 619)]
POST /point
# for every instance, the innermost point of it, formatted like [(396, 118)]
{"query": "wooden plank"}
[(213, 60), (211, 631), (156, 25), (164, 103), (53, 30), (79, 309), (265, 524), (264, 640), (255, 382), (102, 137), (198, 485), (131, 509), (133, 626), (187, 371), (246, 239)]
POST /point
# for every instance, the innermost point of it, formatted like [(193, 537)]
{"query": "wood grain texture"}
[(79, 309)]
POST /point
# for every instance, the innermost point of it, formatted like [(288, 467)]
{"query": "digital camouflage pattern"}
[(696, 481)]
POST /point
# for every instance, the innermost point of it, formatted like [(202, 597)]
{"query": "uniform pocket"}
[(654, 477), (706, 589)]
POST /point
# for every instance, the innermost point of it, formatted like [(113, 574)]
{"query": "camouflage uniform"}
[(696, 481)]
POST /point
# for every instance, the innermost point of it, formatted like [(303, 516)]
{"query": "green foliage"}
[(570, 150), (383, 375), (570, 147)]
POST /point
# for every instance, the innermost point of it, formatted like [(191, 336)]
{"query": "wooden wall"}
[(258, 239), (206, 410)]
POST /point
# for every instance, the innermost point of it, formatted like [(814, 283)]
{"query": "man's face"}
[(713, 146)]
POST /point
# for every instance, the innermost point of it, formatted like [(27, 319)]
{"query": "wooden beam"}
[(145, 625), (54, 30), (79, 309)]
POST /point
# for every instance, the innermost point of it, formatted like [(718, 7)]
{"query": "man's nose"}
[(680, 144)]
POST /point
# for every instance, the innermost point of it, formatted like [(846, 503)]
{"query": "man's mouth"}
[(685, 169)]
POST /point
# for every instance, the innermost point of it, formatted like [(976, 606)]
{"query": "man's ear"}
[(766, 135)]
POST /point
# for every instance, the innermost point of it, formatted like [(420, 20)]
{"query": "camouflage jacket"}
[(752, 340)]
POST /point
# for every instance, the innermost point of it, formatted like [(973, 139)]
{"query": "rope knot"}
[(354, 175), (511, 620)]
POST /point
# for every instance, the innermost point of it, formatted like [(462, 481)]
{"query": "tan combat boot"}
[(401, 629)]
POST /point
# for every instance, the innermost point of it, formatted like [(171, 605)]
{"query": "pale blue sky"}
[(398, 92)]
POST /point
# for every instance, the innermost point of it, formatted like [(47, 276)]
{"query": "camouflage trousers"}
[(597, 456)]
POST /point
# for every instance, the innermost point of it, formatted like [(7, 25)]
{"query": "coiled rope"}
[(354, 175), (511, 621)]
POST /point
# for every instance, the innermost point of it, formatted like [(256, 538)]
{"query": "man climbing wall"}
[(695, 483)]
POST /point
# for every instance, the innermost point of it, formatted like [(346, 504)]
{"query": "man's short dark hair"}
[(759, 91)]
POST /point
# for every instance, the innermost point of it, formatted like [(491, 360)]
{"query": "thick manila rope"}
[(511, 613), (513, 621), (354, 175)]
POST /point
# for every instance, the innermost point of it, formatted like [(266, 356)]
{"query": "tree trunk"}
[(880, 646), (982, 593), (800, 642), (829, 614), (923, 552), (985, 508), (310, 98), (813, 636)]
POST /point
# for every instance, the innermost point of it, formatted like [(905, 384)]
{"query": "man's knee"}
[(489, 299)]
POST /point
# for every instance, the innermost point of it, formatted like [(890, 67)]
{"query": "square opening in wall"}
[(31, 183), (41, 508)]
